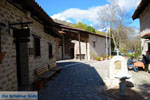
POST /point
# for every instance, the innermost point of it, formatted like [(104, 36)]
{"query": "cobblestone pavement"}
[(83, 80), (76, 82)]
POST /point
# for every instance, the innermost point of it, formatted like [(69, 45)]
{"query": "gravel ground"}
[(141, 83)]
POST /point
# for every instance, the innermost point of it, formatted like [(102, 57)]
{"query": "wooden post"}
[(86, 51), (62, 48), (0, 40), (79, 46)]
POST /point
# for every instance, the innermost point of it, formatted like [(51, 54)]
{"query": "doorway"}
[(72, 52), (148, 46), (22, 64), (22, 57)]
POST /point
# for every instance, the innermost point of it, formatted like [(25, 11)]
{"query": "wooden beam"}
[(22, 40), (21, 33), (22, 23), (86, 51), (62, 48), (79, 45), (0, 41)]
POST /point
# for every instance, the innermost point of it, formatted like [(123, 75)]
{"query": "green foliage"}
[(84, 27), (97, 58), (80, 25), (130, 55), (92, 54), (90, 29), (135, 55), (105, 56), (100, 33), (138, 53)]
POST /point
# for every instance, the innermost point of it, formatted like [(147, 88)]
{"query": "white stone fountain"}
[(118, 70)]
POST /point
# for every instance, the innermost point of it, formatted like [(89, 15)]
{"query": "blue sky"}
[(56, 6), (84, 10)]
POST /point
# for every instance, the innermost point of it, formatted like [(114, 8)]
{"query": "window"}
[(50, 49), (37, 49), (94, 44)]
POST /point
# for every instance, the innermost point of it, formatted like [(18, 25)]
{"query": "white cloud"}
[(60, 17), (106, 29), (92, 13), (128, 4)]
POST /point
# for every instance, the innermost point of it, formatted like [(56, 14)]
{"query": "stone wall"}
[(100, 46), (67, 47), (145, 28), (84, 48), (88, 50), (8, 71), (59, 49), (8, 79), (144, 19)]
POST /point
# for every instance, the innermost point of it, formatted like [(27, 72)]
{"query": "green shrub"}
[(135, 55), (105, 56), (97, 58), (92, 54)]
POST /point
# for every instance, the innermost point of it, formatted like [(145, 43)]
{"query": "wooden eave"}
[(78, 30), (146, 36), (37, 13), (74, 36), (52, 31), (142, 6)]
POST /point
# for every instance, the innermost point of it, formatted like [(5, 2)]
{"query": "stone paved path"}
[(84, 81), (76, 82)]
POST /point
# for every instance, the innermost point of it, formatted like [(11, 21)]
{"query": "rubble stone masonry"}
[(8, 66), (145, 28)]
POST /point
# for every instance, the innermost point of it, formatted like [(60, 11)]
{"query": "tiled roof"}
[(146, 36), (78, 29), (37, 11)]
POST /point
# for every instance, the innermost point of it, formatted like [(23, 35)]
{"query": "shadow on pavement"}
[(114, 94), (81, 82), (65, 63)]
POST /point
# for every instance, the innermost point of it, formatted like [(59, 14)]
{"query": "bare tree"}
[(113, 17), (109, 17)]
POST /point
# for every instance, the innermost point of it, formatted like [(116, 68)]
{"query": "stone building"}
[(28, 40), (81, 44), (94, 47), (143, 13)]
